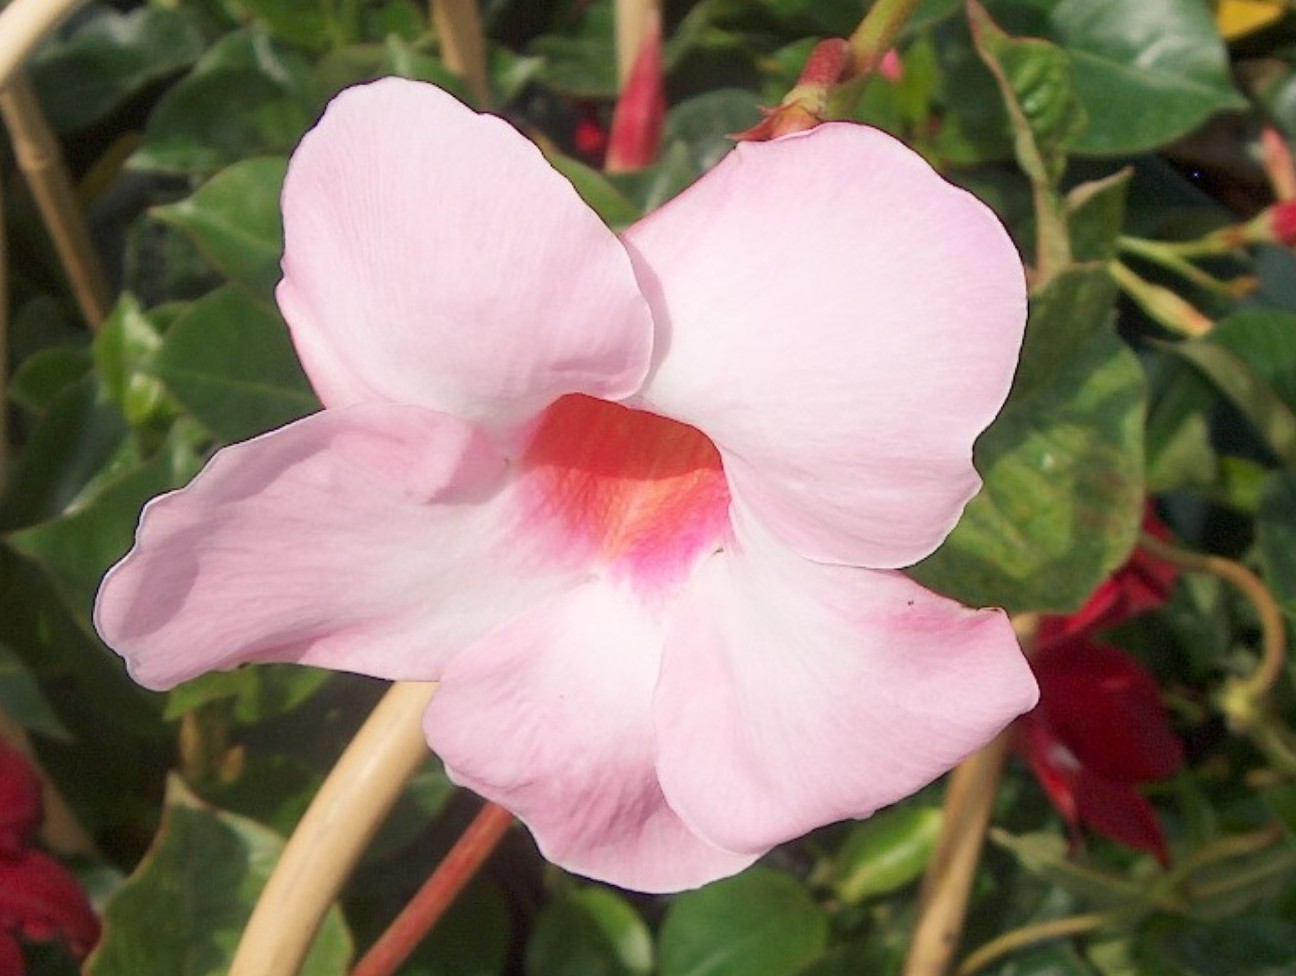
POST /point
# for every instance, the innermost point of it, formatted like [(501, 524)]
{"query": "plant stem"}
[(1029, 935), (878, 31), (361, 788), (437, 893), (1273, 631)]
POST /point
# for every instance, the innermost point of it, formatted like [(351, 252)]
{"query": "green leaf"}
[(590, 932), (1276, 534), (1063, 464), (1248, 946), (310, 26), (705, 123), (186, 904), (597, 191), (1096, 216), (581, 61), (258, 693), (246, 97), (76, 437), (1146, 72), (36, 384), (1273, 420), (123, 349), (76, 550), (760, 923), (1035, 79), (22, 700), (228, 359), (85, 73), (234, 220), (886, 852), (1263, 337), (1046, 856)]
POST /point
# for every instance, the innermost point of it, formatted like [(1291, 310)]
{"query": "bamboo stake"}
[(23, 25), (947, 886), (341, 820), (41, 161), (463, 45)]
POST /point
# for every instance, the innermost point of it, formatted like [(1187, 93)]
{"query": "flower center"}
[(647, 493)]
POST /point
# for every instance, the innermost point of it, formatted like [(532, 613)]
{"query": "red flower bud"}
[(41, 900), (641, 109)]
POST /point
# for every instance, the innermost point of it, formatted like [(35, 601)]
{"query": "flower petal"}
[(433, 257), (1106, 708), (42, 900), (794, 694), (843, 323), (376, 538), (551, 717)]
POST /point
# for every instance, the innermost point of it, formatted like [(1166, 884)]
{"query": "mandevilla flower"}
[(637, 502)]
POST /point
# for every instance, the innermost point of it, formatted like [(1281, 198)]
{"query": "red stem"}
[(437, 894)]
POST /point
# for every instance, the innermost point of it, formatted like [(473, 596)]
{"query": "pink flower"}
[(637, 503)]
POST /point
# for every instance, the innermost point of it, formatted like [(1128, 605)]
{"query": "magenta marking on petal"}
[(647, 494)]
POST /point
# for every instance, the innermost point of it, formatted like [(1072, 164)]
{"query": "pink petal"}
[(842, 323), (433, 257), (551, 717), (376, 538), (794, 694)]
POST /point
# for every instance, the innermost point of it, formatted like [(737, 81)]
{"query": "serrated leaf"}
[(229, 361), (202, 876), (760, 923)]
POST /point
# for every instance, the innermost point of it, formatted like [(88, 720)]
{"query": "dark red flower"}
[(40, 899), (1100, 729), (20, 802)]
